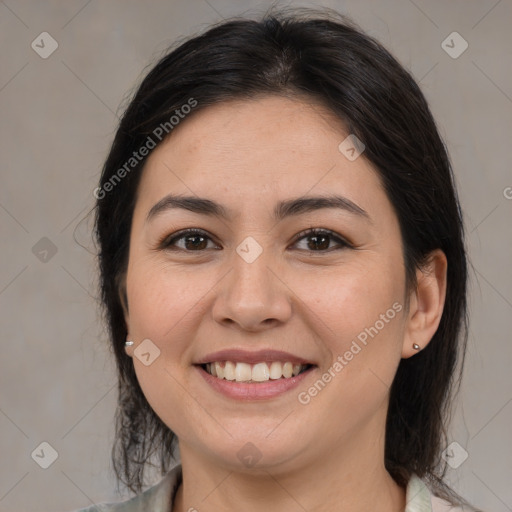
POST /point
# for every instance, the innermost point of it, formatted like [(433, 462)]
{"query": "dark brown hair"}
[(325, 57)]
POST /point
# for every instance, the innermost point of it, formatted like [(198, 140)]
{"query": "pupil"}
[(324, 244), (192, 237), (316, 243)]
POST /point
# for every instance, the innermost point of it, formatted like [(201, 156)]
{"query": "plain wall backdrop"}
[(58, 117)]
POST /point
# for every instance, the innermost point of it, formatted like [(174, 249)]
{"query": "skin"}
[(312, 302)]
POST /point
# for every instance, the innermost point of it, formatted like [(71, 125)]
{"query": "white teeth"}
[(243, 372), (276, 370), (229, 371), (287, 370), (260, 372), (218, 370)]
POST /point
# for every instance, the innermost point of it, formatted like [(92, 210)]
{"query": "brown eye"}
[(320, 240), (193, 240)]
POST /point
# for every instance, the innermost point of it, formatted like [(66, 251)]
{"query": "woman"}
[(284, 275)]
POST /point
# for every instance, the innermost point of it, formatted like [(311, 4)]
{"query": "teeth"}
[(260, 372), (218, 370), (276, 370), (243, 372), (287, 370), (229, 371)]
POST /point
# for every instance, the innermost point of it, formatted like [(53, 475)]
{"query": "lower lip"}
[(256, 390)]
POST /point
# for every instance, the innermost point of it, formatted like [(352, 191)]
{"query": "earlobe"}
[(426, 304), (128, 344), (123, 299)]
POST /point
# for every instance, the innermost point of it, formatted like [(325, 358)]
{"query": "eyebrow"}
[(287, 208)]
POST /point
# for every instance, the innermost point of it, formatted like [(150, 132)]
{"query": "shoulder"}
[(441, 505), (157, 498), (419, 498)]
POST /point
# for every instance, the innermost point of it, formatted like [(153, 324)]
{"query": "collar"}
[(417, 496), (159, 498)]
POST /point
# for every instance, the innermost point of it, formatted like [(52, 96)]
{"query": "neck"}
[(350, 478)]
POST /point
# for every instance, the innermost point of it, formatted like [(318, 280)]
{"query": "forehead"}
[(259, 126), (243, 151)]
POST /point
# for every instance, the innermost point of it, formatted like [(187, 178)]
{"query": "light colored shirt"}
[(160, 497)]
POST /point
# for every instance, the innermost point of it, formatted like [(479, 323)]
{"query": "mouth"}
[(253, 375), (256, 373)]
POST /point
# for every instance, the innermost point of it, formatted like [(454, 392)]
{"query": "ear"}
[(123, 298), (426, 303)]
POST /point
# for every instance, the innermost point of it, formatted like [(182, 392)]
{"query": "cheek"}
[(160, 296), (353, 297), (359, 310), (164, 307), (168, 304)]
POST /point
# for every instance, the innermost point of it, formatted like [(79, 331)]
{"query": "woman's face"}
[(248, 285)]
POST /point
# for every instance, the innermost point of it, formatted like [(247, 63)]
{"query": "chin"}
[(255, 450)]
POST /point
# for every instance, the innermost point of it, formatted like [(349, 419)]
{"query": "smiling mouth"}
[(254, 373)]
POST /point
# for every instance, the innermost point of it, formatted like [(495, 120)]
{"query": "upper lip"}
[(252, 357)]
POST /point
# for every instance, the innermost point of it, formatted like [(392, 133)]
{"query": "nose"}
[(252, 296)]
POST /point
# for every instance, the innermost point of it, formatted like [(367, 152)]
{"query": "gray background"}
[(58, 117)]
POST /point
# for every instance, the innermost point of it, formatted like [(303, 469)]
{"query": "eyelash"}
[(168, 241)]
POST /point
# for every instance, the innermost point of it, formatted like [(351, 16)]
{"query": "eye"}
[(321, 239), (195, 240)]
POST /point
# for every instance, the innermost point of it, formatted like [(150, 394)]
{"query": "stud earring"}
[(415, 346), (128, 343)]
